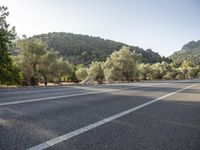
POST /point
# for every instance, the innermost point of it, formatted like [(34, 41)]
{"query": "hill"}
[(84, 49), (190, 52)]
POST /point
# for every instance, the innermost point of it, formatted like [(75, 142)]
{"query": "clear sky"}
[(162, 25)]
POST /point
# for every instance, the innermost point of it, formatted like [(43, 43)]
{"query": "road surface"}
[(161, 115)]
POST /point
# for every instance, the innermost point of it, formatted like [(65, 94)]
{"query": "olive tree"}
[(122, 65), (46, 67), (60, 69), (30, 58), (81, 74), (96, 70)]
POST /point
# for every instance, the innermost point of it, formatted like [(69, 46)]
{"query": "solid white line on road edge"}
[(99, 123), (72, 95)]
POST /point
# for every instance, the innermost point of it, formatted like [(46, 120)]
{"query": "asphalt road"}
[(156, 115)]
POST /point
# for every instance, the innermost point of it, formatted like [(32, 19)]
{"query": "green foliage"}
[(193, 73), (46, 67), (169, 75), (72, 75), (122, 65), (145, 72), (96, 70), (156, 71), (9, 73), (180, 76), (39, 64), (81, 74), (30, 58), (60, 69), (187, 64), (164, 68)]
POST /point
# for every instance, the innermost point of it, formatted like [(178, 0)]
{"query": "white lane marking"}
[(72, 95), (99, 123)]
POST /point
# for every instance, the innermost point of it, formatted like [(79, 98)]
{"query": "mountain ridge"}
[(189, 52), (78, 48)]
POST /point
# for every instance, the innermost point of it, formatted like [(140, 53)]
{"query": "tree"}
[(156, 71), (164, 68), (72, 75), (192, 73), (60, 69), (122, 65), (145, 72), (81, 74), (96, 70), (180, 76), (31, 53), (9, 73), (46, 65), (169, 75)]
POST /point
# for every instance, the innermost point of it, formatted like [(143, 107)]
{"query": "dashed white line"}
[(99, 123)]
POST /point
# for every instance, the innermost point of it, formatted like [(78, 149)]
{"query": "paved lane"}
[(28, 124)]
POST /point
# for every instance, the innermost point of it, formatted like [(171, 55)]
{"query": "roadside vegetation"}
[(36, 62), (9, 73)]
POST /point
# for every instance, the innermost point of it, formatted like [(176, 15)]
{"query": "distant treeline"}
[(83, 49)]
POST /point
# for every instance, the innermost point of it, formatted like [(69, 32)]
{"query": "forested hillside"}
[(189, 52), (84, 49)]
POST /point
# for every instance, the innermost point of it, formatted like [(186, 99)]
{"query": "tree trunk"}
[(45, 81), (34, 80), (59, 80)]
